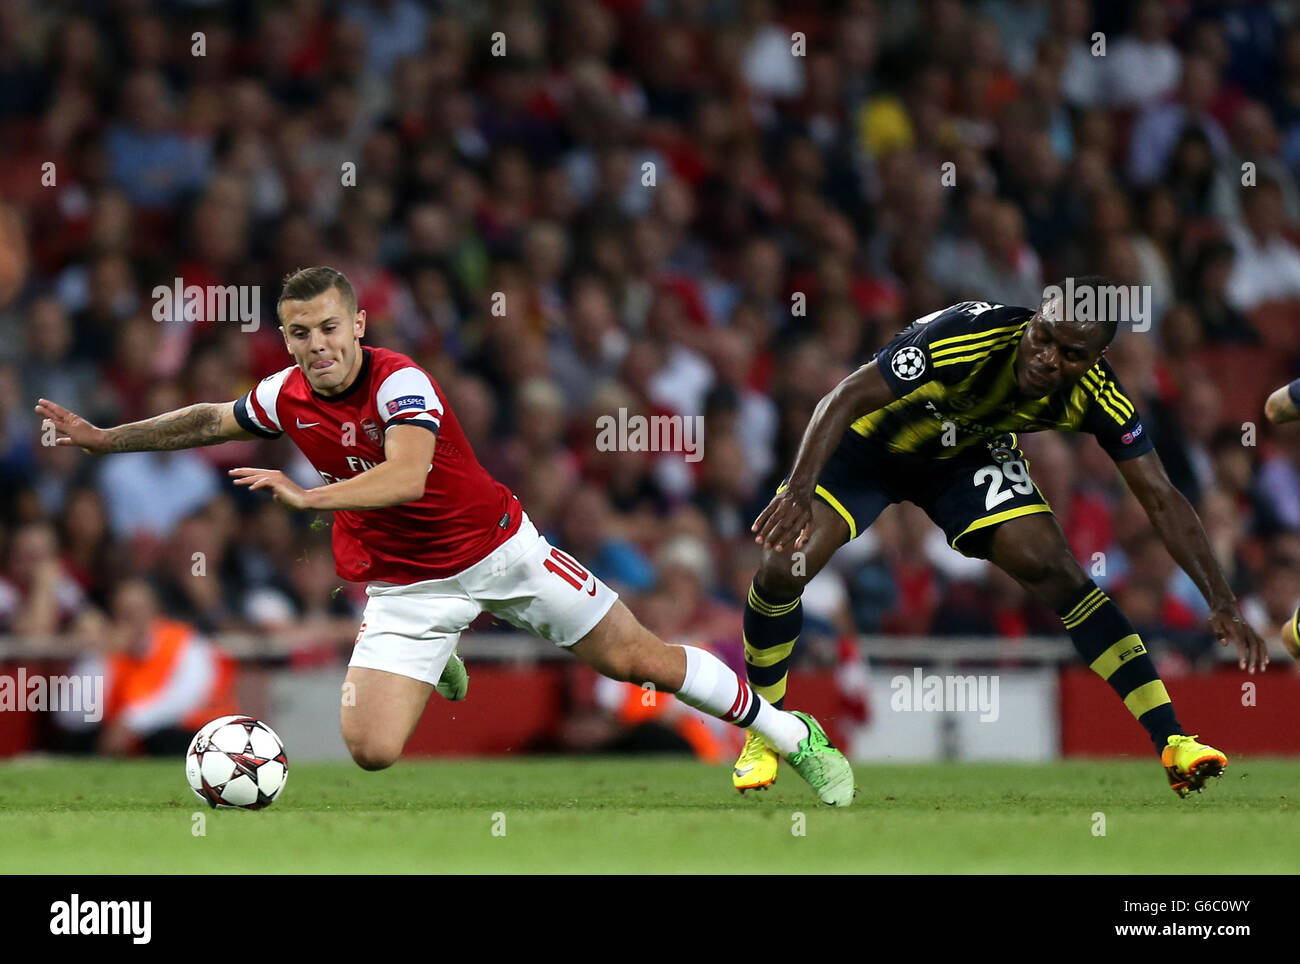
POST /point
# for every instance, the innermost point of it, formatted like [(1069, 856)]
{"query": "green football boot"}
[(823, 766), (454, 682)]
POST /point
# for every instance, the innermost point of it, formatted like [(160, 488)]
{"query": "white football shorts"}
[(412, 630)]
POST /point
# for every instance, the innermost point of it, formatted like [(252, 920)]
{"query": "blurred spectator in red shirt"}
[(38, 597)]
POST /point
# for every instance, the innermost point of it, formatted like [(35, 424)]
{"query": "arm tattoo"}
[(182, 429)]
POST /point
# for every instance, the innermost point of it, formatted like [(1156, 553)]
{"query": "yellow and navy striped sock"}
[(771, 630), (1105, 639)]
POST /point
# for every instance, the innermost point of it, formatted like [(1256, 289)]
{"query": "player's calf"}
[(627, 650), (773, 621), (1034, 552), (621, 649)]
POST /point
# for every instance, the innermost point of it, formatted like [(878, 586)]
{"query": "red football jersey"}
[(464, 513)]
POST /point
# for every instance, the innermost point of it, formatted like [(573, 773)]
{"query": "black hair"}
[(306, 283), (1098, 319)]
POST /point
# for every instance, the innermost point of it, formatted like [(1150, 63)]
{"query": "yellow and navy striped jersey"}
[(953, 373)]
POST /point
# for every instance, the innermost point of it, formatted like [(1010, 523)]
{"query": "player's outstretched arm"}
[(1179, 527), (1281, 406), (207, 423), (788, 517), (400, 478)]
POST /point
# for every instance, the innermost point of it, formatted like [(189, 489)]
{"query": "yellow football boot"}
[(1291, 635), (1189, 764), (756, 767)]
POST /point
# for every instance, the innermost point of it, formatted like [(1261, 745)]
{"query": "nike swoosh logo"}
[(302, 424), (592, 590), (742, 773)]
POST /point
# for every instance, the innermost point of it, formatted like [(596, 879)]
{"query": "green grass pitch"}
[(562, 815)]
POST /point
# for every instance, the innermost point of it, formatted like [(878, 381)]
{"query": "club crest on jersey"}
[(406, 401), (908, 363), (371, 428)]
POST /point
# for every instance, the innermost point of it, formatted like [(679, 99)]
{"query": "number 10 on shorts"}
[(568, 569)]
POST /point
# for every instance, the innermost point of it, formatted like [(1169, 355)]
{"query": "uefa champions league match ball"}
[(236, 762)]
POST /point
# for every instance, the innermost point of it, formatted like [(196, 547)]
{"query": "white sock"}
[(712, 687)]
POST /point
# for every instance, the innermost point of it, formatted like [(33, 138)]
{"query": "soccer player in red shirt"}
[(434, 537)]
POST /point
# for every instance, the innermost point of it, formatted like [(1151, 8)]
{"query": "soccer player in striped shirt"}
[(933, 420)]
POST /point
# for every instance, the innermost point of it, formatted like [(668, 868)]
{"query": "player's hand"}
[(286, 491), (72, 428), (1228, 627), (787, 519)]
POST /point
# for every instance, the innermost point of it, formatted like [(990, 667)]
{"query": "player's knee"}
[(779, 576), (1045, 568), (373, 754), (371, 759), (1031, 567), (1034, 566)]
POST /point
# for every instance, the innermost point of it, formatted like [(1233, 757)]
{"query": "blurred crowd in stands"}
[(694, 207)]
